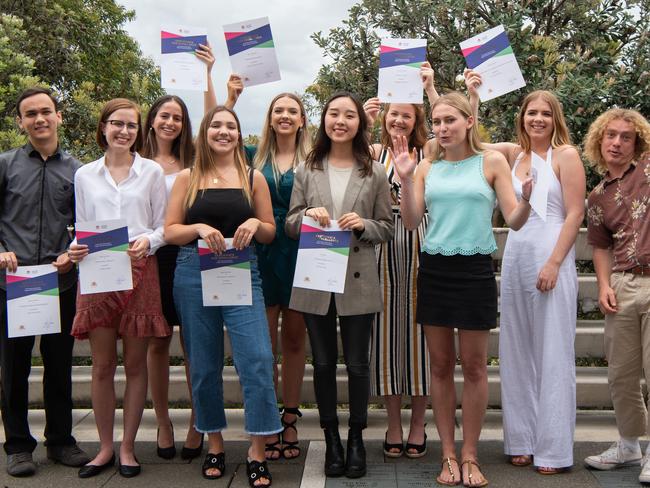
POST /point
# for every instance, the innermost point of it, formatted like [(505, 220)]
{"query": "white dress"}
[(536, 340)]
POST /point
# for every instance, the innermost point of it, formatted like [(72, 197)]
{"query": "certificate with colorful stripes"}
[(225, 277), (180, 69), (491, 55), (323, 252), (33, 301), (252, 51), (107, 267), (399, 70)]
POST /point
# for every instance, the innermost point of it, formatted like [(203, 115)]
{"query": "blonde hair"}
[(417, 138), (560, 135), (204, 159), (459, 102), (268, 145), (594, 137)]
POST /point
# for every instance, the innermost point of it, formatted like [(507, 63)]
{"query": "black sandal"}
[(214, 461), (275, 446), (287, 445), (257, 470)]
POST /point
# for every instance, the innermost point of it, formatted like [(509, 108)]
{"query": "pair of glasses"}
[(120, 124)]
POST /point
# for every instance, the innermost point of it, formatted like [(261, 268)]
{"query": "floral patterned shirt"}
[(618, 214)]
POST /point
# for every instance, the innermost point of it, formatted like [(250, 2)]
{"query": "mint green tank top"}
[(460, 203)]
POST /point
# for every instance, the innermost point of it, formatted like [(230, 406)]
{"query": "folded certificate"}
[(179, 67), (252, 52), (107, 267), (399, 70), (226, 277), (490, 54), (322, 256), (33, 301)]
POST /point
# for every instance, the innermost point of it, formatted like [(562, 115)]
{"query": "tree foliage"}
[(593, 54), (80, 49)]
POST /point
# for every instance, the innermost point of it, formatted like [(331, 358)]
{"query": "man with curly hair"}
[(618, 145)]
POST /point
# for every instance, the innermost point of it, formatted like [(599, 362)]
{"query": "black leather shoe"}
[(334, 460), (90, 470), (355, 466), (192, 452), (128, 471)]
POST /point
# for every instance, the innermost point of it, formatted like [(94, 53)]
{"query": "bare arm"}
[(204, 53), (497, 172), (573, 181), (603, 264), (412, 205), (235, 87), (428, 82)]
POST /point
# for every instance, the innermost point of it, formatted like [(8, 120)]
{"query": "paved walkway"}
[(594, 432)]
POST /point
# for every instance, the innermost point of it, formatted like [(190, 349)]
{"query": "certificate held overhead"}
[(179, 67), (399, 70)]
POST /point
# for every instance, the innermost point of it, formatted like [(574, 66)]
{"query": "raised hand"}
[(235, 86), (404, 161), (473, 81), (427, 75), (527, 188), (204, 53), (371, 108)]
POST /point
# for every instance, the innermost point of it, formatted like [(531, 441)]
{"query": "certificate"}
[(490, 54), (33, 301), (252, 52), (179, 67), (322, 256), (107, 267), (399, 70), (225, 277)]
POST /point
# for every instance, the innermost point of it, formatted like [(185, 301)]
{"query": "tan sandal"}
[(521, 460), (447, 462), (470, 463), (547, 471)]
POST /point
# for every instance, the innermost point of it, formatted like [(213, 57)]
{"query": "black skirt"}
[(166, 266), (457, 291)]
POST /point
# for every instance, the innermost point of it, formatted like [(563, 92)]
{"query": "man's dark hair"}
[(30, 92)]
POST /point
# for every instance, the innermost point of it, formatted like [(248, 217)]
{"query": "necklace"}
[(171, 161)]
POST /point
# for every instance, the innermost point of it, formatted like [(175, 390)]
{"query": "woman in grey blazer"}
[(339, 180)]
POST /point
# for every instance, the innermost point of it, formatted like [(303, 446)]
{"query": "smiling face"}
[(618, 144), (223, 133), (286, 117), (341, 120), (450, 126), (168, 122), (400, 119), (538, 120), (121, 129), (39, 118)]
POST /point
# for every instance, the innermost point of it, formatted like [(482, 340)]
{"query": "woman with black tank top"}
[(221, 197)]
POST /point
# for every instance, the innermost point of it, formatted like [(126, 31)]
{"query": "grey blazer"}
[(369, 197)]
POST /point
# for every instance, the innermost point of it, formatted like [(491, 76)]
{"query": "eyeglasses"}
[(120, 124)]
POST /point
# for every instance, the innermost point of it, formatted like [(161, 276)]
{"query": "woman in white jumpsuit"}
[(539, 290)]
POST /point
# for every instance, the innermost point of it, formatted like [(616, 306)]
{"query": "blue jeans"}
[(251, 346)]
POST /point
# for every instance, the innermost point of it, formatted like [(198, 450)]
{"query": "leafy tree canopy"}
[(593, 54), (80, 49)]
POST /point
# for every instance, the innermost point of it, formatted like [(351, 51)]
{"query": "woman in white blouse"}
[(121, 185)]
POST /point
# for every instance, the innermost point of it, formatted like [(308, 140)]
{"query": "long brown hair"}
[(182, 147), (417, 138), (108, 109), (459, 102), (204, 159), (560, 135), (322, 144)]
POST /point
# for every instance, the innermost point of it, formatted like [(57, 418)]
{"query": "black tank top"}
[(225, 209)]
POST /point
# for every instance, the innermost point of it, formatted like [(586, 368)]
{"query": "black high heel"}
[(192, 452), (166, 452)]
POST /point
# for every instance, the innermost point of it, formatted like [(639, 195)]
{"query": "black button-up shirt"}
[(36, 207)]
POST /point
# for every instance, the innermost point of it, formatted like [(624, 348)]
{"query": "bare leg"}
[(256, 453), (158, 370), (473, 358), (135, 369), (273, 318), (416, 429), (193, 437), (394, 433), (215, 446), (103, 347), (293, 369), (442, 355)]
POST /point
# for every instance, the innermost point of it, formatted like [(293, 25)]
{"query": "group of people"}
[(419, 268)]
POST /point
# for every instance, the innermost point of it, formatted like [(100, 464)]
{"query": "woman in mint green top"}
[(456, 285)]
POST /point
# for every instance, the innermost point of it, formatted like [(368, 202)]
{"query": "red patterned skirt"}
[(134, 313)]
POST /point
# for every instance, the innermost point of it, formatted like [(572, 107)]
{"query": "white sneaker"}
[(615, 456), (644, 477)]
